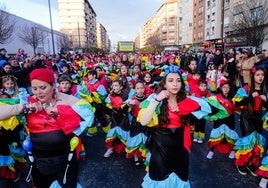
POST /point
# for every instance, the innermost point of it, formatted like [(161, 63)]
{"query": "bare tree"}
[(7, 25), (64, 42), (250, 21), (32, 36), (154, 42)]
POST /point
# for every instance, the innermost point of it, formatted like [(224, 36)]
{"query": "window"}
[(171, 27), (238, 18), (256, 13), (213, 30)]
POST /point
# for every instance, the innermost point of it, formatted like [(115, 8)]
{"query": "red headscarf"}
[(43, 74)]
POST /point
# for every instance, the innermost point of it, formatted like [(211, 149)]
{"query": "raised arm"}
[(10, 110)]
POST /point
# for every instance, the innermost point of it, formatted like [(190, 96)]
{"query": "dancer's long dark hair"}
[(251, 86), (181, 95)]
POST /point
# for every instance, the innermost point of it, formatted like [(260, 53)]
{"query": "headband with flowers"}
[(172, 69)]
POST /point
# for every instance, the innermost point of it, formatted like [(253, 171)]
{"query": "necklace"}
[(48, 104)]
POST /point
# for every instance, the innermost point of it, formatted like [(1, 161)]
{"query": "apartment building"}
[(162, 28), (102, 36), (213, 23), (198, 23), (186, 25), (78, 22)]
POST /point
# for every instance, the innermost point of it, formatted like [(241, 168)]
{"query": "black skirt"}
[(168, 154)]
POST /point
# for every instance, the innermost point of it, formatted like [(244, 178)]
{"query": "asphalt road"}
[(119, 172)]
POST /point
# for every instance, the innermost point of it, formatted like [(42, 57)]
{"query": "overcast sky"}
[(121, 18)]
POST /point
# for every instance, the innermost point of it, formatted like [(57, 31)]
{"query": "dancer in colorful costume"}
[(117, 102), (168, 111), (98, 94), (53, 119), (223, 135), (138, 134), (12, 156), (250, 147)]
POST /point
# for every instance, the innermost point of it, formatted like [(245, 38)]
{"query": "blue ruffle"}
[(173, 181), (249, 141), (17, 151), (85, 111), (136, 141), (6, 160), (120, 133), (205, 108), (264, 161), (56, 184), (224, 129)]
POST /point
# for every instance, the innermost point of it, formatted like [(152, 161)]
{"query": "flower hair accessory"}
[(253, 70), (172, 69)]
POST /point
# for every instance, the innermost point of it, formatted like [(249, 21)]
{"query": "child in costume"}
[(149, 83), (168, 111), (193, 76), (66, 86), (211, 77), (199, 131), (223, 135), (12, 156), (250, 147), (98, 94), (119, 133), (136, 141)]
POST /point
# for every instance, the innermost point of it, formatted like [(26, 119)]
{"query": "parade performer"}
[(12, 156), (149, 83), (168, 111), (118, 134), (200, 124), (67, 86), (223, 135), (250, 147), (136, 141), (98, 94), (53, 119)]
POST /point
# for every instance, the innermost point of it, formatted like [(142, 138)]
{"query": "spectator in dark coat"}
[(218, 60), (202, 65)]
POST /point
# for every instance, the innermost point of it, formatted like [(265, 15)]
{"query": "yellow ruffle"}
[(154, 120), (9, 123), (96, 97)]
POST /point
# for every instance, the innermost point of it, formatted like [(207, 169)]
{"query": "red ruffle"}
[(221, 148), (136, 151), (6, 173), (119, 147), (262, 173), (68, 119)]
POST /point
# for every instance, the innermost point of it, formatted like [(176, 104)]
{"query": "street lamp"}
[(70, 40), (78, 27), (51, 28)]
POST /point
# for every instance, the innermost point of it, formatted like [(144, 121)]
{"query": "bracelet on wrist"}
[(156, 100), (24, 109), (27, 108)]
